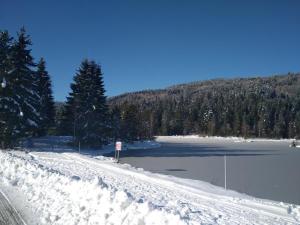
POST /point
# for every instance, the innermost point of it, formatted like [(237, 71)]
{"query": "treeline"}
[(27, 108), (253, 107), (26, 102), (266, 107)]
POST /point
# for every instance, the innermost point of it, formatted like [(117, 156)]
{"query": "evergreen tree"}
[(24, 86), (86, 107), (7, 104), (46, 104)]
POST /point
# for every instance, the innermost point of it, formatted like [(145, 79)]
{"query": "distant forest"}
[(266, 107)]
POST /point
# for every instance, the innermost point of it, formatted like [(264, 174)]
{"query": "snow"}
[(59, 199), (3, 84), (234, 139), (130, 146), (64, 187), (32, 123)]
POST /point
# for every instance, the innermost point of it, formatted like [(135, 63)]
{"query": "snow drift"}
[(59, 199), (64, 187)]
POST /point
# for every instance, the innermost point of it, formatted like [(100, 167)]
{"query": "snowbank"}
[(59, 199), (63, 144), (234, 139)]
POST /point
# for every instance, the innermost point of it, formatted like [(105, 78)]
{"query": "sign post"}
[(118, 149), (225, 172)]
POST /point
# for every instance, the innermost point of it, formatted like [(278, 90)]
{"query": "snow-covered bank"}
[(130, 146), (194, 138), (64, 143), (69, 188), (60, 199)]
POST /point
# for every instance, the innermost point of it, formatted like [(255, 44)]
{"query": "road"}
[(8, 214), (262, 169)]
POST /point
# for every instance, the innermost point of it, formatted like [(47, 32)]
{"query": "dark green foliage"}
[(24, 86), (86, 114), (59, 118), (7, 105), (254, 107), (129, 123), (115, 122), (19, 98), (46, 102), (23, 112), (66, 122)]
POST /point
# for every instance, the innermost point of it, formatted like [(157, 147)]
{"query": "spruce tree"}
[(46, 103), (24, 84), (86, 106), (8, 106)]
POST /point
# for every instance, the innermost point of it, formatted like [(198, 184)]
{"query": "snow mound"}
[(59, 199), (219, 138)]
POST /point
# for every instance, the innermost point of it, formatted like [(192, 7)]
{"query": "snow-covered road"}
[(8, 214), (68, 188)]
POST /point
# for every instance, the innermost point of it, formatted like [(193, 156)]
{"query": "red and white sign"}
[(118, 145)]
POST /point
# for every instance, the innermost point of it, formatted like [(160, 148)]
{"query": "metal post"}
[(118, 156), (225, 173), (74, 139)]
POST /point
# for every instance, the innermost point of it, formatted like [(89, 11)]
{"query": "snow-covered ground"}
[(196, 138), (201, 139), (64, 187)]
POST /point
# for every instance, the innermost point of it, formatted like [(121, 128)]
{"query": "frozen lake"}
[(266, 169)]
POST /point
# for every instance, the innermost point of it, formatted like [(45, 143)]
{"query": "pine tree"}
[(86, 106), (46, 103), (7, 104), (24, 85)]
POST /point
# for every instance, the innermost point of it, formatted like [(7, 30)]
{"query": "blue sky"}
[(154, 44)]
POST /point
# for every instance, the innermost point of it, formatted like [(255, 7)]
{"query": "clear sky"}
[(157, 43)]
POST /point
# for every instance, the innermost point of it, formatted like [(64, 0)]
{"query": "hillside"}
[(260, 107)]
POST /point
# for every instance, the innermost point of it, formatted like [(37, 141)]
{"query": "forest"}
[(264, 107)]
